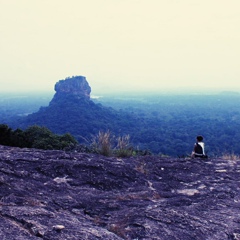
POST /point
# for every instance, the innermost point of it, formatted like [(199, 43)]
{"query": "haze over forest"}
[(165, 124)]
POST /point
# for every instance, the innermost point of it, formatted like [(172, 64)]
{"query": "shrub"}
[(35, 137), (5, 134), (104, 142)]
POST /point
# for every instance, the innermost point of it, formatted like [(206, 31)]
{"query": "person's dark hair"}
[(199, 138)]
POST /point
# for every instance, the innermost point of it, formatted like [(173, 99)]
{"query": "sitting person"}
[(198, 151)]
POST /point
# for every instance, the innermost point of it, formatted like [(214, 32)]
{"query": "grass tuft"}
[(230, 156), (102, 143)]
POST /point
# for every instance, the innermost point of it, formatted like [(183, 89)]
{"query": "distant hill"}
[(71, 110)]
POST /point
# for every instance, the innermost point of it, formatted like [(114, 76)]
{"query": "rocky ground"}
[(61, 195)]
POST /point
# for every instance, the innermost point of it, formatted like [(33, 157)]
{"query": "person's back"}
[(199, 150)]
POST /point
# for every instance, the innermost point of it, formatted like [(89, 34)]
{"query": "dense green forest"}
[(163, 123), (170, 123), (21, 104), (35, 137)]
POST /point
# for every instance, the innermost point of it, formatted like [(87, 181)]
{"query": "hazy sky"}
[(120, 44)]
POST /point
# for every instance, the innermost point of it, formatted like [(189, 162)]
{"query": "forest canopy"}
[(162, 123), (35, 137)]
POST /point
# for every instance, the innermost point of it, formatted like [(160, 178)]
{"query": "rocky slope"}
[(69, 195)]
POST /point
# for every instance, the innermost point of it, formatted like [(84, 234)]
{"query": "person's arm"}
[(195, 148), (193, 152), (203, 148)]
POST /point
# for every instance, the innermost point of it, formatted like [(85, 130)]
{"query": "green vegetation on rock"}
[(35, 137)]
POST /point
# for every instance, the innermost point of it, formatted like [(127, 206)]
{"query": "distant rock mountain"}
[(57, 195), (76, 86), (71, 110)]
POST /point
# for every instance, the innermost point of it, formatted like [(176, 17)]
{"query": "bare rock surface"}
[(77, 86), (68, 195)]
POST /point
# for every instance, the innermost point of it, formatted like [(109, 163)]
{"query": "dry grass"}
[(141, 167), (230, 156), (102, 143), (123, 142), (123, 147)]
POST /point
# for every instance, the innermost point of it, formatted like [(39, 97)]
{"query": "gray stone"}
[(77, 86), (69, 195)]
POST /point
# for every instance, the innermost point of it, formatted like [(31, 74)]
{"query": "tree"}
[(5, 134)]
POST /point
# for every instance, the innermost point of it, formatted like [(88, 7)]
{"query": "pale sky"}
[(127, 45)]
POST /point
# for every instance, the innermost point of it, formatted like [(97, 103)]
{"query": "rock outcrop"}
[(72, 111), (76, 86), (69, 195)]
